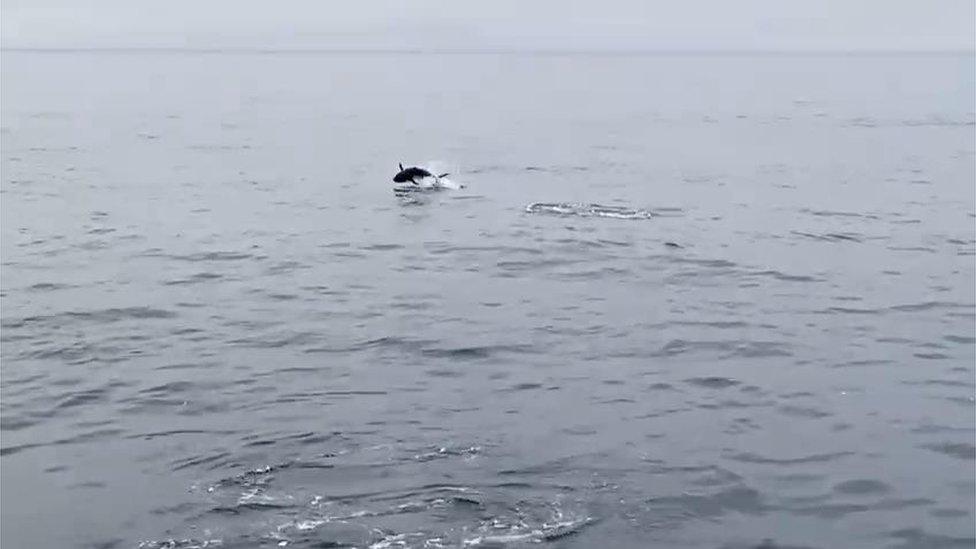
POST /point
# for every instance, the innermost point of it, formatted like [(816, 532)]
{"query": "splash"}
[(431, 184), (587, 210)]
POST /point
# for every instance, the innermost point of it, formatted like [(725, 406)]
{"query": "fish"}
[(414, 175)]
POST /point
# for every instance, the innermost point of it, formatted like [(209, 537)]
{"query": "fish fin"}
[(444, 175)]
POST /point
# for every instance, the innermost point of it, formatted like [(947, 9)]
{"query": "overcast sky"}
[(494, 24)]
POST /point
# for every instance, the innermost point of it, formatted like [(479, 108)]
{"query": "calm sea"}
[(683, 301)]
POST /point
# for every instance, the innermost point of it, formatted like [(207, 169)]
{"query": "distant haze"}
[(496, 24)]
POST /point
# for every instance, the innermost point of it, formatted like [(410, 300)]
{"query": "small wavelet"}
[(751, 457), (587, 210), (48, 287), (193, 279), (785, 277), (958, 450), (185, 543), (212, 256), (862, 486), (831, 237), (833, 213), (733, 348), (99, 316), (712, 382), (917, 537)]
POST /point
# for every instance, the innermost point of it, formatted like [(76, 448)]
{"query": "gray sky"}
[(491, 24)]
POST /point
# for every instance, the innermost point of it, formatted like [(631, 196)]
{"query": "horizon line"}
[(490, 51)]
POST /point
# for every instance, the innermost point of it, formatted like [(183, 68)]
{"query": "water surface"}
[(683, 301)]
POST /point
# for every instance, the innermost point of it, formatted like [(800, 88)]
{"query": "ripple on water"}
[(194, 279), (912, 538), (712, 382), (728, 348), (48, 287), (832, 237), (98, 316), (710, 504), (751, 457), (587, 210), (477, 352), (862, 487), (212, 256), (958, 450), (318, 502)]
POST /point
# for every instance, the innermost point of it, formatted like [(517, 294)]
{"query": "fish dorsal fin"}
[(401, 166)]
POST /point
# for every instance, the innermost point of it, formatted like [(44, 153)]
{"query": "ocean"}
[(683, 300)]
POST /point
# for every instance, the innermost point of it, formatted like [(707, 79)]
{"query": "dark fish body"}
[(412, 174)]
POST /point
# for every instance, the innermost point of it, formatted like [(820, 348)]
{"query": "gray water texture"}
[(682, 301)]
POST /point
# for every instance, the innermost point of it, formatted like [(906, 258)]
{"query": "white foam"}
[(438, 167)]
